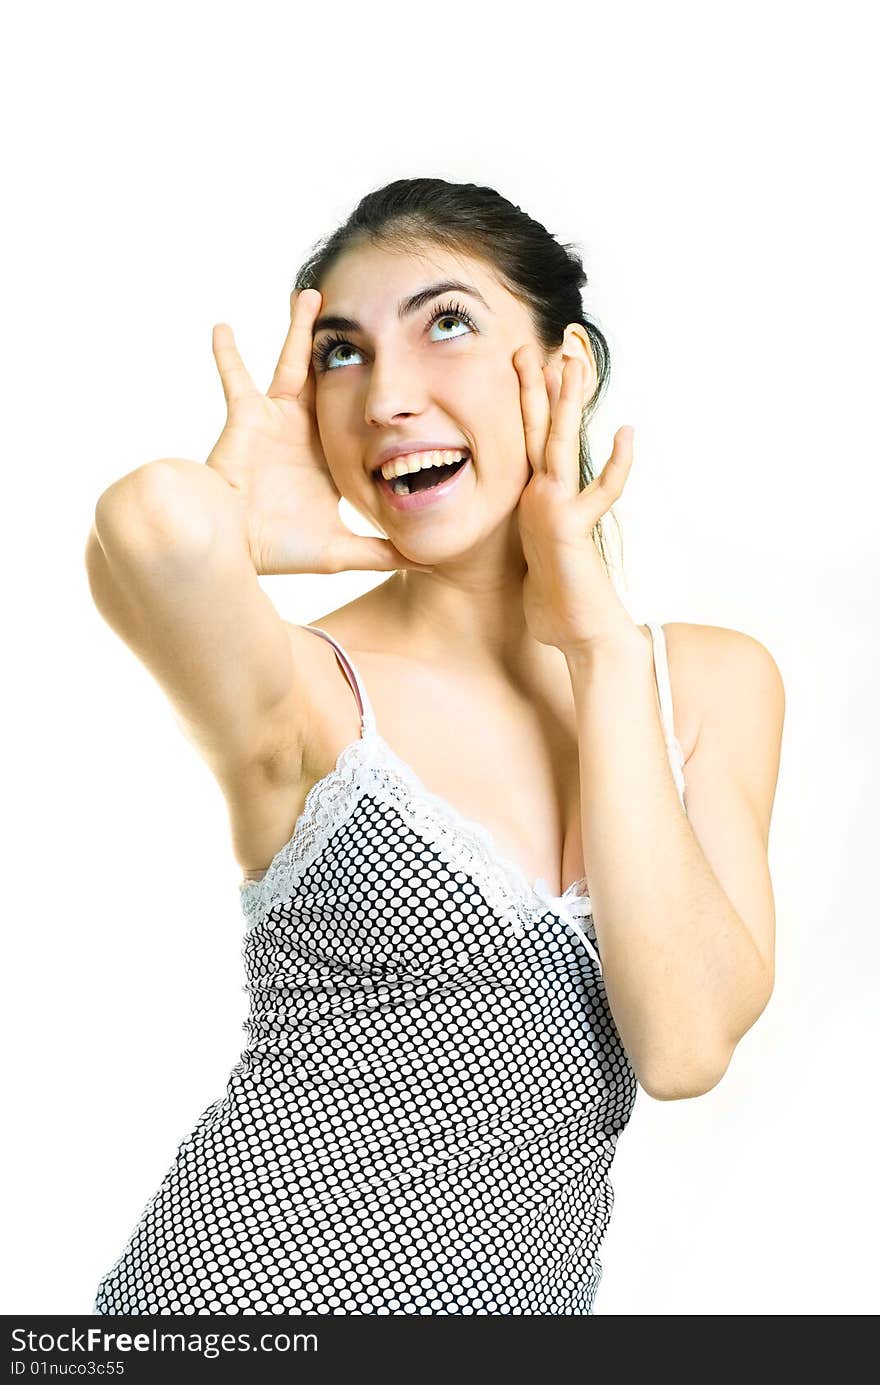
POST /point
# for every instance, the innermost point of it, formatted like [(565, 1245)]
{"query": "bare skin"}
[(460, 689), (501, 664), (489, 726)]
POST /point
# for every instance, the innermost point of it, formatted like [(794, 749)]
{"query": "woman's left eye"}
[(450, 312)]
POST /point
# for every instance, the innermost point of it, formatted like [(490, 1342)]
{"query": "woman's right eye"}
[(325, 350)]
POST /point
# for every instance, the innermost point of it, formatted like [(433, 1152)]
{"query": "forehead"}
[(369, 282)]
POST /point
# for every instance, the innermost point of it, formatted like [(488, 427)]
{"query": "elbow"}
[(682, 1083), (150, 510), (679, 1081)]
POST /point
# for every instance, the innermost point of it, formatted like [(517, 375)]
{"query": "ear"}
[(575, 342)]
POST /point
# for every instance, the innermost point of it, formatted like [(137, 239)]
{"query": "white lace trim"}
[(465, 845), (329, 802), (369, 766)]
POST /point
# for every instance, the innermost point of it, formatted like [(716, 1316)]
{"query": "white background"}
[(168, 167)]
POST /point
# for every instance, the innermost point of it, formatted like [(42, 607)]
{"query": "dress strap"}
[(664, 691), (368, 719)]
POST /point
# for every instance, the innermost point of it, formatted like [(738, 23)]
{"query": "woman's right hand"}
[(271, 455)]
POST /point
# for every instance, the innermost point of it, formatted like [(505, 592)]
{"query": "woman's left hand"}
[(568, 598)]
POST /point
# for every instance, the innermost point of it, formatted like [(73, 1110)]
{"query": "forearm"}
[(683, 976)]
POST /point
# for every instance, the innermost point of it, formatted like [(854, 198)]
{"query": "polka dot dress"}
[(426, 1110)]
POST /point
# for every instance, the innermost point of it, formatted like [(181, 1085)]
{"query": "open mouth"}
[(422, 480), (425, 479)]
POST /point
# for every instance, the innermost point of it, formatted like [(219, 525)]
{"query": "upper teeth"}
[(417, 461)]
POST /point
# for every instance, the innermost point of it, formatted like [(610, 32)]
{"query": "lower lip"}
[(419, 500)]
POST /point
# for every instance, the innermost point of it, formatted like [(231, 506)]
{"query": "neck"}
[(467, 613)]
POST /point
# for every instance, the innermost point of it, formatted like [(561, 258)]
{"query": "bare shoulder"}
[(723, 678), (706, 655), (323, 698), (315, 661), (288, 737), (298, 748)]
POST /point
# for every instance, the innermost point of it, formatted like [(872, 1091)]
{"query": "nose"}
[(394, 390)]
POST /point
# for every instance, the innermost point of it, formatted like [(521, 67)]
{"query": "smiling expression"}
[(419, 347)]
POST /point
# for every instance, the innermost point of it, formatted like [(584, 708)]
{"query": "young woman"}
[(447, 1024)]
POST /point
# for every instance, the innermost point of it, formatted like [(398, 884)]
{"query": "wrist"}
[(623, 644)]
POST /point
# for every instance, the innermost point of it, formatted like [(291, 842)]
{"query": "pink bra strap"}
[(368, 720)]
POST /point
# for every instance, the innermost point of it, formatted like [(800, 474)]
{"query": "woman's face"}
[(403, 378)]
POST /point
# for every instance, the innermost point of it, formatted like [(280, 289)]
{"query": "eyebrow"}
[(405, 308)]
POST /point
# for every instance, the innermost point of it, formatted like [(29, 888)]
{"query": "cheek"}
[(487, 391), (509, 423), (505, 387), (326, 413), (487, 396)]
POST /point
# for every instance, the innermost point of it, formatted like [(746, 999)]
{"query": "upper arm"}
[(195, 615), (736, 697)]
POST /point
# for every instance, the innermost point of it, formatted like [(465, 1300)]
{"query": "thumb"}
[(358, 554)]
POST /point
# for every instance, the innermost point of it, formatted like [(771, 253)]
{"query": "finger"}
[(563, 439), (608, 486), (234, 377), (534, 404), (296, 353), (553, 376), (351, 553)]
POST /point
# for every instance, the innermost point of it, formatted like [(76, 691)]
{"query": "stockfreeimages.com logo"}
[(99, 1339)]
